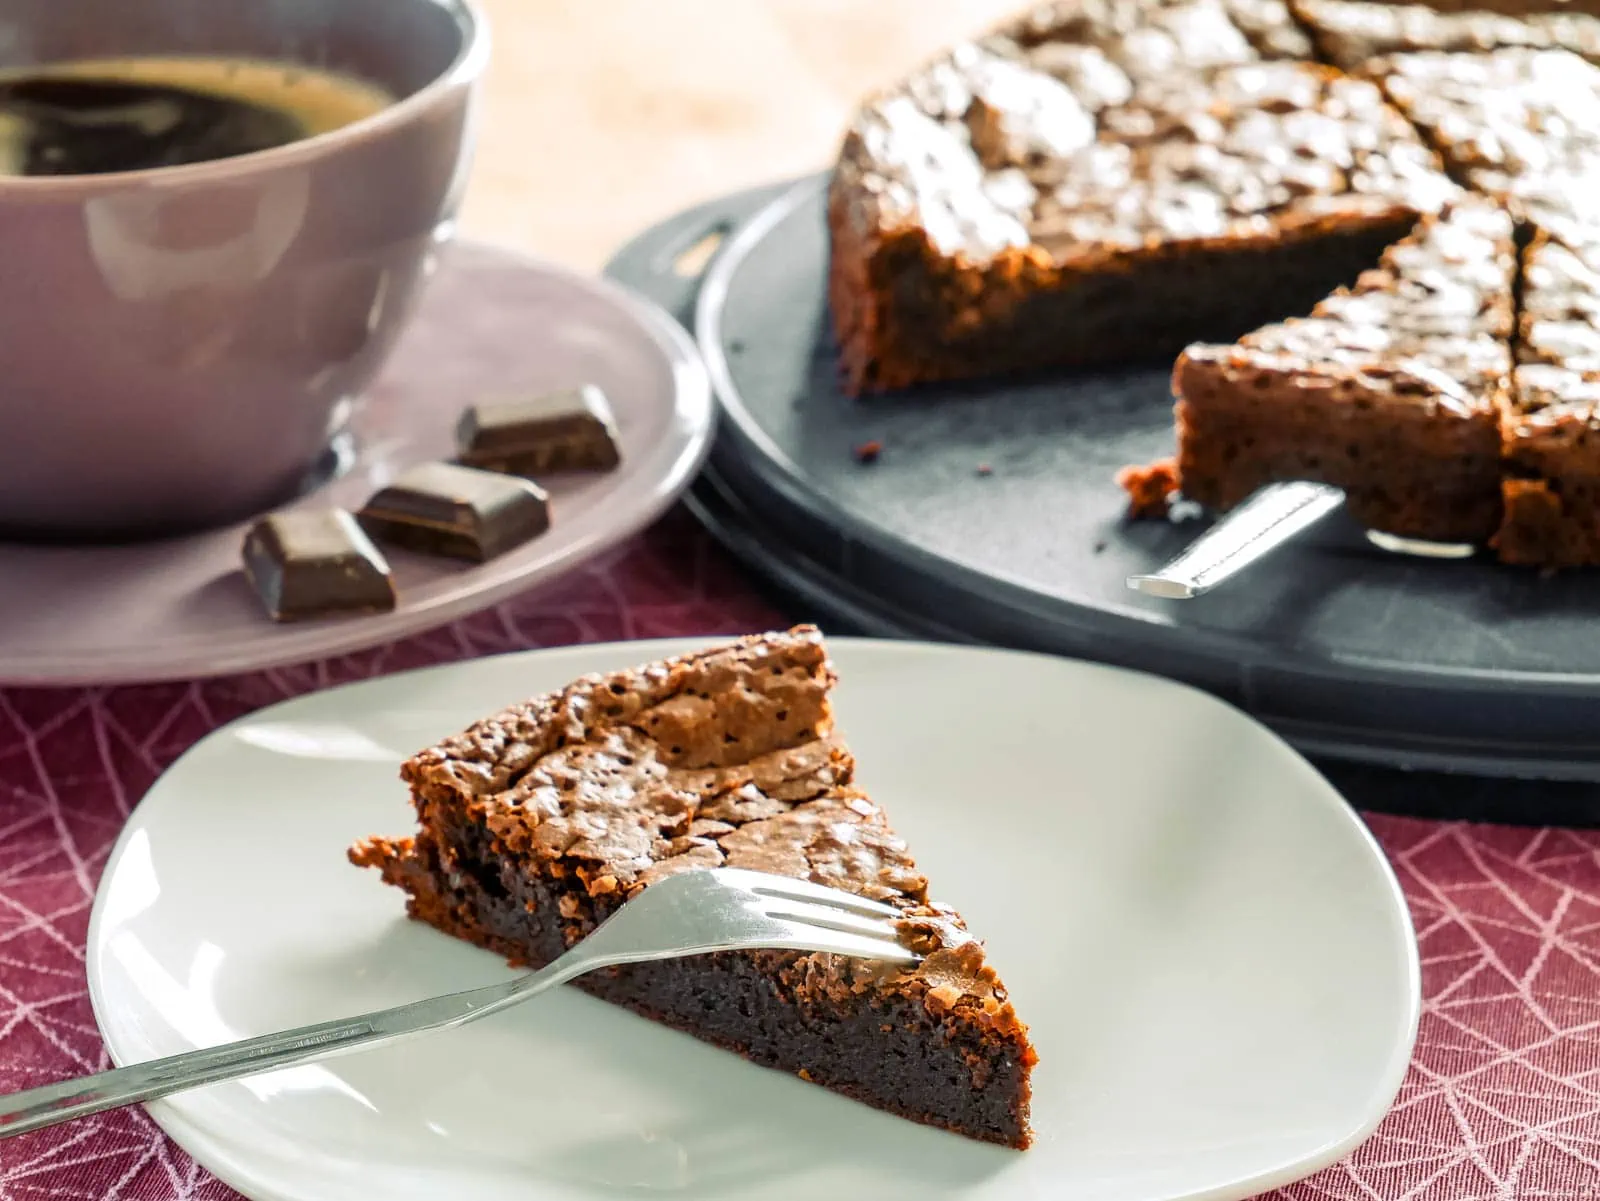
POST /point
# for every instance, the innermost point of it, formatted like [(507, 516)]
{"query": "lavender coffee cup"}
[(180, 345)]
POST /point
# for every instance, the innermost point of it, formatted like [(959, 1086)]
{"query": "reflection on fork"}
[(695, 913)]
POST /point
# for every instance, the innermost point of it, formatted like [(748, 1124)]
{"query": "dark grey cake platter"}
[(991, 515)]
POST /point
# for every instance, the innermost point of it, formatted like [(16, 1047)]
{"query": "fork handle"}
[(36, 1108), (49, 1104)]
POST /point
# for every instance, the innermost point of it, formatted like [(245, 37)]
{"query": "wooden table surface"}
[(602, 116)]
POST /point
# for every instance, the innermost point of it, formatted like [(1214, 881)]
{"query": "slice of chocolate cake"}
[(538, 822), (1109, 180), (1391, 390), (1552, 430)]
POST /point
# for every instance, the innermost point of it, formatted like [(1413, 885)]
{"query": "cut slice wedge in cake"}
[(1392, 389), (1552, 428), (538, 822), (1105, 182)]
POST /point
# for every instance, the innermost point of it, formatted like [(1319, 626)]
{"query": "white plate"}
[(1215, 959)]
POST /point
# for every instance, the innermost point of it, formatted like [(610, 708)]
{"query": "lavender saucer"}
[(490, 322)]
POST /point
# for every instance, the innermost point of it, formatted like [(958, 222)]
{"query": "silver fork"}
[(720, 909)]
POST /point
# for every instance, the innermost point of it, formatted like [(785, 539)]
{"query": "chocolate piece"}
[(1391, 390), (461, 512), (538, 822), (314, 562), (562, 431)]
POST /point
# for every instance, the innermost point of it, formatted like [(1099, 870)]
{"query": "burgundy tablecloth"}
[(1503, 1099)]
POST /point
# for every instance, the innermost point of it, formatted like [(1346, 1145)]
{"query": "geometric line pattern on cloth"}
[(1502, 1101)]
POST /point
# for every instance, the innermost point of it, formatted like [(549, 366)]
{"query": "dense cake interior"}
[(537, 823)]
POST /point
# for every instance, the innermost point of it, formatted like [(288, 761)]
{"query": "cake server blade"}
[(1271, 517)]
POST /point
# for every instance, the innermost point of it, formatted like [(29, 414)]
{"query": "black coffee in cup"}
[(88, 118)]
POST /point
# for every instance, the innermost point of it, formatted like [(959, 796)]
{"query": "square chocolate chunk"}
[(459, 512), (314, 563), (572, 430)]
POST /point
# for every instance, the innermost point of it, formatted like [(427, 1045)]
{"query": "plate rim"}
[(206, 1152), (693, 406)]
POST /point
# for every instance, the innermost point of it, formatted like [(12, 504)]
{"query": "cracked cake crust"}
[(1106, 180)]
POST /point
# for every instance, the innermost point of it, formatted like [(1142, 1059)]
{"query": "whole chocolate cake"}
[(1322, 201)]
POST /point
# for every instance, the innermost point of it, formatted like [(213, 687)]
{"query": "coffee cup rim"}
[(465, 68)]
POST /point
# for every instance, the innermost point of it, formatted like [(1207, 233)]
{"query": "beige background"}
[(604, 115)]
